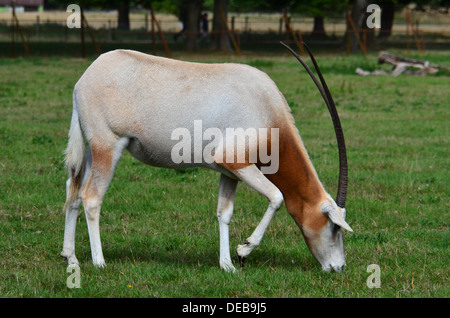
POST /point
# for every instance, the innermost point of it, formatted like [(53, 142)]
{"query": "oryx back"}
[(145, 98)]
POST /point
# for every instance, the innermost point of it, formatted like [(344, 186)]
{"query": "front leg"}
[(253, 177), (227, 191)]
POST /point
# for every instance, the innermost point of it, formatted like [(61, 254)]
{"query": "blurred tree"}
[(123, 8), (387, 18), (219, 39), (431, 3), (358, 16), (187, 11), (390, 7), (319, 10), (192, 27), (258, 6)]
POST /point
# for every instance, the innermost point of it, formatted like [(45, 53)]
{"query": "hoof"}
[(229, 268), (100, 265), (243, 251), (241, 260), (71, 260)]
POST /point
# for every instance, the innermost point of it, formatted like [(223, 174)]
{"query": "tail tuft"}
[(74, 156), (76, 146)]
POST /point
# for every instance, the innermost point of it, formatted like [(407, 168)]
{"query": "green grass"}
[(159, 230)]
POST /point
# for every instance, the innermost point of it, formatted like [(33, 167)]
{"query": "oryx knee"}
[(225, 213), (276, 200), (92, 207)]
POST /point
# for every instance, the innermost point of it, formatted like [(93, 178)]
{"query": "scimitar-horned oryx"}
[(130, 100)]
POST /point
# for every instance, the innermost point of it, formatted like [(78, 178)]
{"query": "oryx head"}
[(324, 235)]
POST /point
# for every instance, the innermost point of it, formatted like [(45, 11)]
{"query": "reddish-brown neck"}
[(296, 178)]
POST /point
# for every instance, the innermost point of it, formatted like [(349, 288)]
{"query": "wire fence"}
[(38, 30)]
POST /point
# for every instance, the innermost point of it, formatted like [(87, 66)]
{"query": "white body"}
[(129, 100)]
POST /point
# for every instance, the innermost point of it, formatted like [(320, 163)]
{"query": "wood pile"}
[(403, 65)]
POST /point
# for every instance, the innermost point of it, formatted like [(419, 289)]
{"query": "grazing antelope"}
[(130, 100)]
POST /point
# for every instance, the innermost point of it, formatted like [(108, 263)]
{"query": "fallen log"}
[(401, 64)]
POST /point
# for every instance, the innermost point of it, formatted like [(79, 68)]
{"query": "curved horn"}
[(325, 92)]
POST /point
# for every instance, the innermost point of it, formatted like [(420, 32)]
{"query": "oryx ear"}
[(336, 216)]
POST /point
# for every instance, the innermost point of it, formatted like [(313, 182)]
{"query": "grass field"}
[(159, 229)]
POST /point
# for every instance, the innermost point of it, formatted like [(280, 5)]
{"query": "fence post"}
[(91, 34), (225, 23), (238, 36), (161, 35), (66, 36), (364, 39), (146, 21), (361, 46), (13, 35), (414, 31), (37, 27), (301, 42), (16, 25), (153, 33), (290, 32), (109, 31), (83, 46), (423, 40)]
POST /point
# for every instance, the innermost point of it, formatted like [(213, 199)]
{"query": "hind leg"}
[(68, 251), (73, 202), (105, 156), (227, 192)]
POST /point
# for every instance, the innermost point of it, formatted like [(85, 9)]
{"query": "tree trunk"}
[(123, 22), (192, 28), (359, 16), (387, 20), (219, 37), (319, 27)]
